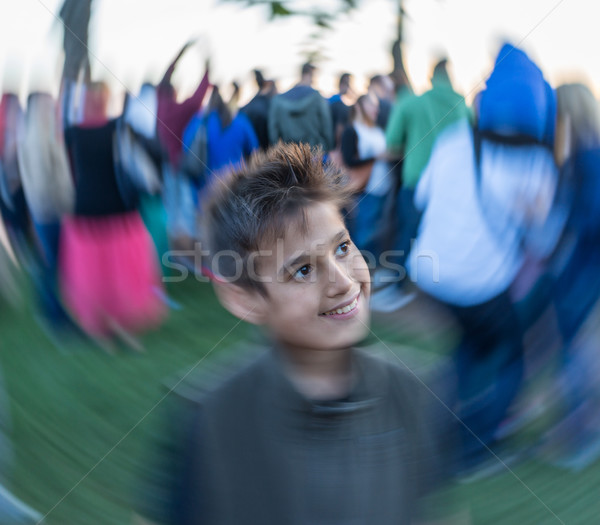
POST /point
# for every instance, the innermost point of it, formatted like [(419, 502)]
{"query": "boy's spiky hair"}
[(252, 206)]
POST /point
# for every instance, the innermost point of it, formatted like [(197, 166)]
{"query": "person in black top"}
[(108, 266)]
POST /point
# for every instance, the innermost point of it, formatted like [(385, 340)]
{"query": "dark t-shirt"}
[(91, 154), (257, 451)]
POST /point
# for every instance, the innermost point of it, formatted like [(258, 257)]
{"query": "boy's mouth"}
[(344, 308)]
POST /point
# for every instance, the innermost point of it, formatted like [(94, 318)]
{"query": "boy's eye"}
[(303, 271), (343, 248)]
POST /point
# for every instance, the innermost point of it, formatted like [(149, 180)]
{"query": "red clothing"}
[(173, 117)]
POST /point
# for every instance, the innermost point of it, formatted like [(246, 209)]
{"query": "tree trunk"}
[(398, 74)]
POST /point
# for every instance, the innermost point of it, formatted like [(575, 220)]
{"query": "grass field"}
[(80, 418)]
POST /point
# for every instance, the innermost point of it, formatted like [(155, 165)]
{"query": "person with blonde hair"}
[(577, 153), (573, 442)]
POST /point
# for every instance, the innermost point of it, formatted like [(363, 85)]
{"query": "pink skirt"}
[(109, 273)]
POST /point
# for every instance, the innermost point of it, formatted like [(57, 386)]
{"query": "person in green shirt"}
[(415, 123)]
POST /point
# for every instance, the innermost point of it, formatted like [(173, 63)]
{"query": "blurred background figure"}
[(414, 124), (257, 110), (382, 86), (339, 104), (75, 16), (49, 192), (172, 119), (573, 441), (364, 155), (481, 194), (145, 156), (215, 140), (12, 201), (301, 114), (229, 139), (108, 265)]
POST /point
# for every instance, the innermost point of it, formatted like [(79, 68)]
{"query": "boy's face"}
[(317, 284)]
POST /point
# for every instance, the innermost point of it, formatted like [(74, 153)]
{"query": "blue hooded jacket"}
[(517, 100)]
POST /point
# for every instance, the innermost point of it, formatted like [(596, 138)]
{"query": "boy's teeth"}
[(344, 310)]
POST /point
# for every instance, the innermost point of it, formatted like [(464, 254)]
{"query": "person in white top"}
[(485, 194), (364, 156)]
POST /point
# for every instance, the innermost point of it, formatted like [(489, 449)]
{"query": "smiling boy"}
[(314, 431)]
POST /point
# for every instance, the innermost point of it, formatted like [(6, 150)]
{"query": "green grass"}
[(80, 419)]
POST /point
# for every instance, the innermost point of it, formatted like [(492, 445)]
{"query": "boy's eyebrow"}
[(338, 237)]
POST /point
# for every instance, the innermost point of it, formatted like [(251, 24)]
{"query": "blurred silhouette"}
[(49, 193), (364, 155), (172, 118), (301, 114), (109, 272), (12, 201), (75, 17), (414, 124), (257, 110), (382, 86), (573, 440), (485, 195), (228, 135), (340, 109)]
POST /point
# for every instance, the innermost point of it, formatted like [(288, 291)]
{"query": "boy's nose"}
[(340, 278)]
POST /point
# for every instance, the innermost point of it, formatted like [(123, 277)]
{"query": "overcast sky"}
[(133, 40)]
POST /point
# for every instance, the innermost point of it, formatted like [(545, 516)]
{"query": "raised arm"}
[(169, 72)]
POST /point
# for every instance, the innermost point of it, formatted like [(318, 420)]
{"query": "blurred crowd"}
[(491, 211)]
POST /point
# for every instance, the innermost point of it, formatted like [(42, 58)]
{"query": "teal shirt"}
[(415, 123)]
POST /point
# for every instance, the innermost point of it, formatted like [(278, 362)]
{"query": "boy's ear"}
[(247, 305)]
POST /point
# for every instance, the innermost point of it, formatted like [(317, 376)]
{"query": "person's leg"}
[(46, 277), (367, 224), (489, 364), (408, 225)]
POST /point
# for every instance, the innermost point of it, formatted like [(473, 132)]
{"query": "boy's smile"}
[(343, 311), (317, 284)]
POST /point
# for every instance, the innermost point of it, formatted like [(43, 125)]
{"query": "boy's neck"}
[(319, 374)]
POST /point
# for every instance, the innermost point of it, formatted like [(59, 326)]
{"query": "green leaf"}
[(278, 9)]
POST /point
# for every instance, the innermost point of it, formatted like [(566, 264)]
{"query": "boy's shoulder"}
[(235, 369)]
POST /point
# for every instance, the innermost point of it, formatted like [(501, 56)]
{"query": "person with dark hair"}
[(340, 110), (229, 138), (257, 110), (382, 86), (313, 430), (414, 125), (301, 114), (364, 155)]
